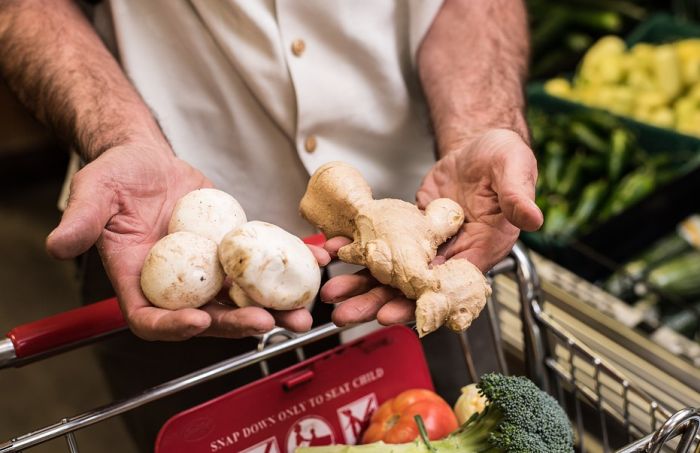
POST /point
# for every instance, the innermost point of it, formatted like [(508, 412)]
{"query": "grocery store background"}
[(631, 200)]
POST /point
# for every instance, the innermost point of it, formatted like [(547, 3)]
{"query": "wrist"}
[(142, 132), (459, 134)]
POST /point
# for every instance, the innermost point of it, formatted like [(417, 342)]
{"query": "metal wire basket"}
[(607, 410)]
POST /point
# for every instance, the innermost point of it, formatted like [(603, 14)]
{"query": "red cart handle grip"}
[(79, 324), (66, 328)]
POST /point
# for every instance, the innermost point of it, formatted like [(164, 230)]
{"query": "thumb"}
[(516, 190), (88, 211)]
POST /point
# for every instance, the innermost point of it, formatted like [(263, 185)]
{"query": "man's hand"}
[(472, 65), (493, 179), (122, 201)]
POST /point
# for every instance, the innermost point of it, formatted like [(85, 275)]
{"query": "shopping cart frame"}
[(543, 342)]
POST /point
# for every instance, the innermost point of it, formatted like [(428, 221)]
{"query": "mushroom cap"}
[(208, 212), (182, 270), (274, 268)]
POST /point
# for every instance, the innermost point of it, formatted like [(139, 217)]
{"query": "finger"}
[(157, 324), (521, 211), (515, 186), (342, 287), (397, 311), (483, 245), (334, 244), (299, 320), (321, 255), (88, 211), (362, 308), (232, 322)]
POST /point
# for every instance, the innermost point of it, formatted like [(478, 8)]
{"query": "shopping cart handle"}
[(72, 327), (63, 329)]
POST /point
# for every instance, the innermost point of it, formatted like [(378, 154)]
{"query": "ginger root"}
[(397, 242)]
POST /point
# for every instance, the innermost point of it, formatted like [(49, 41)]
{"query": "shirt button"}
[(298, 46), (310, 144)]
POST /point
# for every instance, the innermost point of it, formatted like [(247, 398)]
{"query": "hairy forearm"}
[(56, 64), (472, 65)]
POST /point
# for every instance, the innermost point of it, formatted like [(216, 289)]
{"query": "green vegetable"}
[(619, 153), (519, 418), (591, 198), (622, 281), (556, 218), (572, 175), (632, 188), (685, 322), (603, 20), (555, 152), (677, 277), (588, 137)]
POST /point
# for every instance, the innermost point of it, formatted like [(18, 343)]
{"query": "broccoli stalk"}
[(519, 418)]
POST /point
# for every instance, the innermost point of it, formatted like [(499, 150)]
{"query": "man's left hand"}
[(493, 178)]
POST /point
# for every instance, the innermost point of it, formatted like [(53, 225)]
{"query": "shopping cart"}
[(604, 406)]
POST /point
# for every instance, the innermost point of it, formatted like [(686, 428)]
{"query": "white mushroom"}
[(182, 270), (208, 212), (269, 267), (240, 297)]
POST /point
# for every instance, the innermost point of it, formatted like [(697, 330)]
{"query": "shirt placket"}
[(299, 56)]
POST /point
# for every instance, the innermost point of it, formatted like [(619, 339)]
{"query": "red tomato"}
[(393, 422)]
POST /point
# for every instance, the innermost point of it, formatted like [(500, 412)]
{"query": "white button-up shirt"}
[(257, 94)]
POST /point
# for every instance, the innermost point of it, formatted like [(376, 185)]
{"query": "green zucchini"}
[(622, 282), (686, 321), (678, 277)]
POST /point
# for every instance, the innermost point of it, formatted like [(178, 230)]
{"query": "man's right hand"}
[(122, 202)]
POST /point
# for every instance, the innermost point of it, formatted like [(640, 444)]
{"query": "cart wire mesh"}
[(606, 408)]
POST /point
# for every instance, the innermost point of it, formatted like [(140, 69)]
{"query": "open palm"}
[(493, 179), (122, 201)]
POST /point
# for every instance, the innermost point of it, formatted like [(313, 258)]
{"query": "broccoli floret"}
[(519, 418)]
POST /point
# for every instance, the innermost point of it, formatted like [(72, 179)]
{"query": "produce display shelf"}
[(609, 410)]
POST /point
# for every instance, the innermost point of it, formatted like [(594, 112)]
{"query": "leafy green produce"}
[(518, 418)]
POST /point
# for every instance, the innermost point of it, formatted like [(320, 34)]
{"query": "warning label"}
[(309, 432), (354, 417)]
